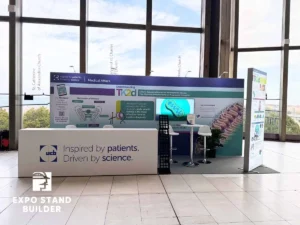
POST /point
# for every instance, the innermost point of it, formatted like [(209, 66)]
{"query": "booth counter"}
[(88, 152)]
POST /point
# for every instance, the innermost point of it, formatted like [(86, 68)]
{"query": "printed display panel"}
[(92, 101)]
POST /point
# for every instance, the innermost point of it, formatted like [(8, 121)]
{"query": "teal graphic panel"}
[(136, 110), (176, 109)]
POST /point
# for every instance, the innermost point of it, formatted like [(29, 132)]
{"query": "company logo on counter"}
[(48, 153), (126, 92), (56, 77)]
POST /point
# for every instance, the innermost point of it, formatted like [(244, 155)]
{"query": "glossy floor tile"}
[(187, 205), (72, 186), (89, 210), (4, 203), (199, 183), (175, 183), (98, 186), (187, 199), (124, 185), (150, 184), (155, 206), (58, 218), (165, 221)]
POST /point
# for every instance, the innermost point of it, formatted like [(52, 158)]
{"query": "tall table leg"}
[(171, 150), (191, 163)]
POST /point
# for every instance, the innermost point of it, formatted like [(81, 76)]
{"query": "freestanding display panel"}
[(255, 119)]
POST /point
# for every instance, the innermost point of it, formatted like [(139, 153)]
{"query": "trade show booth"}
[(130, 106)]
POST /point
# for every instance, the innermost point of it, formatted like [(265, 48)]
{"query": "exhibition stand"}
[(88, 152), (132, 105)]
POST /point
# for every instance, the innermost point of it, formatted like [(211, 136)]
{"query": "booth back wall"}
[(90, 100)]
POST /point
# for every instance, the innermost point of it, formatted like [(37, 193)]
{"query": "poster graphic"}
[(176, 108), (228, 120)]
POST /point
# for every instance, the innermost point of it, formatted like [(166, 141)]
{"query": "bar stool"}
[(171, 134), (108, 126), (204, 131)]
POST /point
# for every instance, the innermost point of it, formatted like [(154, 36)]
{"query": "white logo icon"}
[(42, 181)]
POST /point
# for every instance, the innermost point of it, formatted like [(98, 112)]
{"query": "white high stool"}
[(108, 126), (171, 134), (204, 131)]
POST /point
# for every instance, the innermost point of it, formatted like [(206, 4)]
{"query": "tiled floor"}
[(256, 199)]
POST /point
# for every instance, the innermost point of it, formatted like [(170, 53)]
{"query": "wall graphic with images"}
[(92, 101)]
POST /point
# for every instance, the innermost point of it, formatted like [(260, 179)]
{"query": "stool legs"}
[(204, 154), (171, 150), (204, 160)]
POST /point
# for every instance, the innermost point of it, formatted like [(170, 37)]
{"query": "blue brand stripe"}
[(145, 80)]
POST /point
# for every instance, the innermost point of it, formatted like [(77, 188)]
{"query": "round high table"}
[(191, 126)]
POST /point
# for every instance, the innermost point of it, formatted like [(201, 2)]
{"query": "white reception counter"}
[(88, 152)]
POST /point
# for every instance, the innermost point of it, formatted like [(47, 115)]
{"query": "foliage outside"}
[(37, 118), (33, 118), (3, 119), (272, 124), (292, 127)]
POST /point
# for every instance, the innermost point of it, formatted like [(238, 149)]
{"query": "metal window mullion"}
[(205, 38), (4, 18), (284, 69), (148, 37), (83, 36), (294, 47), (234, 39), (50, 21), (214, 38), (260, 49), (196, 30), (116, 25)]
